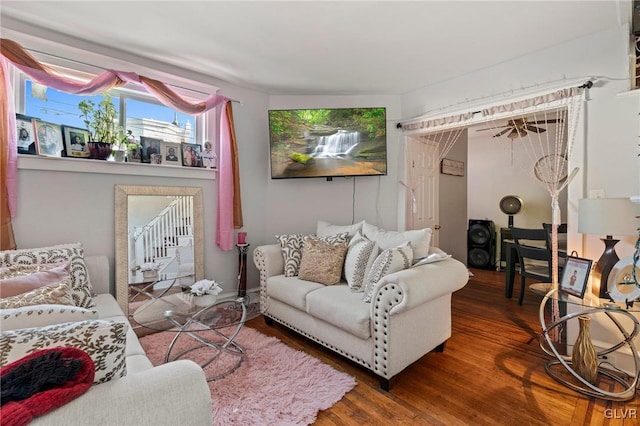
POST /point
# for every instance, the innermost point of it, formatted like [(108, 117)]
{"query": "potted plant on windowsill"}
[(101, 121)]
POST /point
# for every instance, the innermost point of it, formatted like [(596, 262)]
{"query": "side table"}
[(606, 370)]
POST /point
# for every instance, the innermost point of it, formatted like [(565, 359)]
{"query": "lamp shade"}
[(607, 216)]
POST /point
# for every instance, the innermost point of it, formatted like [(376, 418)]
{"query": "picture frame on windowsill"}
[(171, 154), (75, 142), (26, 135), (191, 155), (49, 139), (150, 147)]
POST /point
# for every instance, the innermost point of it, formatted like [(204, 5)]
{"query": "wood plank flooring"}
[(491, 373)]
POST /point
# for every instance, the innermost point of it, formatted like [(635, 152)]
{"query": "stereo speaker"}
[(481, 244)]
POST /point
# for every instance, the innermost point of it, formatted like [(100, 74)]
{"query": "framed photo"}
[(191, 155), (149, 147), (452, 167), (75, 142), (171, 154), (26, 135), (49, 139), (575, 276)]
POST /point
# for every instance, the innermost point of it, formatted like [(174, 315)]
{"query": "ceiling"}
[(322, 47)]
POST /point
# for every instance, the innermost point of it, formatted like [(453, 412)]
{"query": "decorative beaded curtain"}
[(547, 152)]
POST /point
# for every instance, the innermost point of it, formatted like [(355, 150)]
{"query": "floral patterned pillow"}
[(389, 261), (81, 289), (104, 341), (53, 294), (43, 315)]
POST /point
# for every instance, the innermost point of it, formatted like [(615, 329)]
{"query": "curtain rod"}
[(587, 85), (106, 69)]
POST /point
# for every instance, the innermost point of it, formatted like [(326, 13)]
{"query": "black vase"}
[(99, 150)]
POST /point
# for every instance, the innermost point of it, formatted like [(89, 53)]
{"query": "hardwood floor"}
[(490, 373)]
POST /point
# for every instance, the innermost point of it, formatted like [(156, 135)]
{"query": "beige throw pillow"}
[(321, 261), (18, 279), (53, 294), (420, 239)]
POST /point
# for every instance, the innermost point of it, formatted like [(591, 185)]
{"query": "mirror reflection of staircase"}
[(166, 240)]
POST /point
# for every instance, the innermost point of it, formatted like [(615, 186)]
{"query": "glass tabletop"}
[(172, 311), (588, 301)]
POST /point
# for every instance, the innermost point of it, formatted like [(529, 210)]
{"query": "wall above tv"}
[(327, 143)]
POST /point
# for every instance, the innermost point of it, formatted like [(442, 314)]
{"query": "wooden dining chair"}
[(534, 256)]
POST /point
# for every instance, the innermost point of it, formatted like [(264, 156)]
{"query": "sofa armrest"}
[(168, 394), (420, 284), (99, 273), (269, 261)]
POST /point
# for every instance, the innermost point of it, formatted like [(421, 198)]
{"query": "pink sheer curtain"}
[(12, 52)]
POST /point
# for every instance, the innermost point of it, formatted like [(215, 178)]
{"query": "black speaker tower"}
[(481, 244)]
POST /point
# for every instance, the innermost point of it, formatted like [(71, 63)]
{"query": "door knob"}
[(437, 227)]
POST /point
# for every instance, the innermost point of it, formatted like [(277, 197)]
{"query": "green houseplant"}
[(101, 120)]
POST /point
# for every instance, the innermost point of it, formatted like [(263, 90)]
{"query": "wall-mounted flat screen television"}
[(332, 142)]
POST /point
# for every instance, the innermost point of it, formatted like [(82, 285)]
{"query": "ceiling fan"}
[(518, 127)]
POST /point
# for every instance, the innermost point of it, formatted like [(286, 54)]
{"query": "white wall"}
[(453, 204), (500, 167)]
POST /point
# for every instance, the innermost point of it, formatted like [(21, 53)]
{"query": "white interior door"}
[(422, 178)]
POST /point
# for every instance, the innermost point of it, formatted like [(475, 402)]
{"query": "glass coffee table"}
[(213, 327), (613, 383)]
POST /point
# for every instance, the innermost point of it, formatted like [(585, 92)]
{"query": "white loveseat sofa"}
[(409, 314), (169, 394)]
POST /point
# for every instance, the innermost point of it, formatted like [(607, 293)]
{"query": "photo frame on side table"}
[(26, 135), (49, 139), (575, 276), (75, 142)]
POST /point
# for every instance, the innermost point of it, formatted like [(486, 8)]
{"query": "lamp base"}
[(604, 265)]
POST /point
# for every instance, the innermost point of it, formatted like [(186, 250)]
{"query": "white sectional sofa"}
[(169, 394), (409, 314)]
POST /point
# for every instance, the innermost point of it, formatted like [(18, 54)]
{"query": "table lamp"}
[(607, 216)]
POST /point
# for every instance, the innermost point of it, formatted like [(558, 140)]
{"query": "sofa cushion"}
[(342, 308), (104, 341), (361, 254), (419, 238), (326, 229), (54, 294), (291, 290), (74, 253), (18, 279), (43, 315), (389, 261), (322, 262)]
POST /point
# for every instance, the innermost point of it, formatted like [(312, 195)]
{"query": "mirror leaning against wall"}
[(158, 240)]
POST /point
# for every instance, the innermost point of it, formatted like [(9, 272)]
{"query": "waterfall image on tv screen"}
[(328, 142)]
